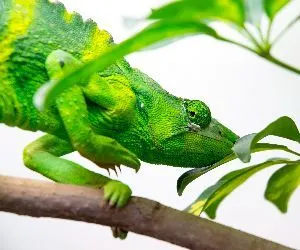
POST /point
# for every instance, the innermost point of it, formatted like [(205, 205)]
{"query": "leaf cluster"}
[(280, 186)]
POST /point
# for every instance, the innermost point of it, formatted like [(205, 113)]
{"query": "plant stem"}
[(274, 60), (237, 43), (253, 39), (293, 152), (282, 33), (261, 35), (266, 55), (269, 29)]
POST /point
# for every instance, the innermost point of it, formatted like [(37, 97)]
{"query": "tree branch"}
[(142, 216)]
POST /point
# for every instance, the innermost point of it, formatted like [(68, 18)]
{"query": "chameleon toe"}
[(123, 199), (119, 233), (114, 199), (117, 193)]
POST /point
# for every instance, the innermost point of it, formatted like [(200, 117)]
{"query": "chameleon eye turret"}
[(198, 112)]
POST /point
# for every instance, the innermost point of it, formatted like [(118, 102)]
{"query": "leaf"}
[(211, 198), (189, 176), (158, 31), (282, 184), (272, 7), (230, 10), (283, 127), (193, 174), (254, 11)]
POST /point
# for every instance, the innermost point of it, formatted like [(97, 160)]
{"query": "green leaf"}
[(158, 31), (273, 6), (282, 184), (211, 198), (193, 174), (283, 127), (230, 10), (254, 11), (189, 176)]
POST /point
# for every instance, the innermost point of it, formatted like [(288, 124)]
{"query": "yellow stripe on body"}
[(99, 40), (20, 17), (68, 16), (99, 43)]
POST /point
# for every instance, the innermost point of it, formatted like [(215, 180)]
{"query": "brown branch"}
[(142, 216)]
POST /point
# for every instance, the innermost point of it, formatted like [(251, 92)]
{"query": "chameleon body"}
[(119, 117)]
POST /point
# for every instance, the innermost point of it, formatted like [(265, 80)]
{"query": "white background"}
[(243, 91)]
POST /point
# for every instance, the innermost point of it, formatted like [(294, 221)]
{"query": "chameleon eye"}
[(198, 112), (192, 113)]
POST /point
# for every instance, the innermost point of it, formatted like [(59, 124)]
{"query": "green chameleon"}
[(119, 117)]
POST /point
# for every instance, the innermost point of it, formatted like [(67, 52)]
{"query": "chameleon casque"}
[(120, 116)]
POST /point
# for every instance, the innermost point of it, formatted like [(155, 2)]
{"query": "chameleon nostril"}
[(61, 63)]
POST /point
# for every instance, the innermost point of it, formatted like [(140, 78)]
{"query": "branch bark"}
[(142, 216)]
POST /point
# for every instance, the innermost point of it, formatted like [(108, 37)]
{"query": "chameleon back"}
[(29, 31)]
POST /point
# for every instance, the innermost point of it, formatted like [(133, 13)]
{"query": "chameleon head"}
[(202, 140)]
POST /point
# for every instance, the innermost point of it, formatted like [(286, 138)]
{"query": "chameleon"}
[(119, 117)]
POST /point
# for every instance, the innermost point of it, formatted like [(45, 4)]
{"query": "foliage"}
[(190, 17), (281, 184), (181, 18)]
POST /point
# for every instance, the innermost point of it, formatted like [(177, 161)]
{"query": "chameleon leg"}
[(114, 94), (43, 155), (103, 151)]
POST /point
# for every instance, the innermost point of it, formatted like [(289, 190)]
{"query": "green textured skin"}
[(120, 103)]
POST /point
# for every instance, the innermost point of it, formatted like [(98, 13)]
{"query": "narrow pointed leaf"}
[(230, 10), (254, 11), (282, 184), (189, 176), (272, 7), (283, 127), (211, 198), (158, 31)]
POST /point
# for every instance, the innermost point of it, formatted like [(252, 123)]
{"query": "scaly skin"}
[(120, 115)]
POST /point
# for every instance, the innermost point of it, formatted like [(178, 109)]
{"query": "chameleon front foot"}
[(116, 193), (119, 233), (108, 153)]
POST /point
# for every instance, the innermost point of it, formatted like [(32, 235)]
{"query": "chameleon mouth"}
[(214, 132), (217, 131), (197, 149)]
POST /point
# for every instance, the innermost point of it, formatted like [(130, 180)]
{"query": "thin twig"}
[(266, 55), (252, 39), (261, 35), (269, 30), (276, 61), (225, 39), (142, 216), (287, 28)]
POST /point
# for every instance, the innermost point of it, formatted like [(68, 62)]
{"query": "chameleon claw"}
[(119, 167), (115, 170)]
